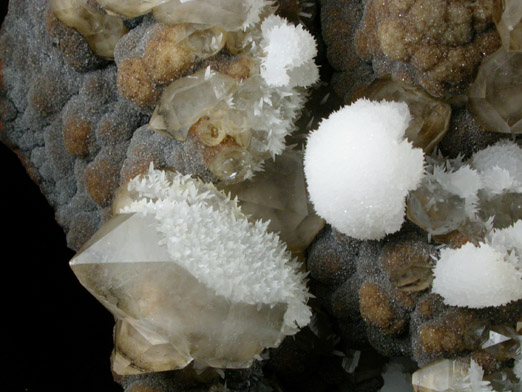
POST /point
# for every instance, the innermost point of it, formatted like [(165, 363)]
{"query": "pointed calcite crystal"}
[(189, 278)]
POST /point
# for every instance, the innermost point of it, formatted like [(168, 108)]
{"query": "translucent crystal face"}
[(187, 277), (176, 317), (509, 25), (230, 15), (441, 376), (100, 30), (496, 94), (130, 8)]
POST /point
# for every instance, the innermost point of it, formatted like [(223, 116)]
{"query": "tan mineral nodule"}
[(430, 117), (441, 376), (164, 326), (495, 97), (509, 25), (101, 31)]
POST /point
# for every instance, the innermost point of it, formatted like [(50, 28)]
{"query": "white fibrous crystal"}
[(455, 193), (476, 276), (256, 111), (289, 54), (231, 15), (359, 168), (476, 375), (189, 278), (500, 166), (446, 197)]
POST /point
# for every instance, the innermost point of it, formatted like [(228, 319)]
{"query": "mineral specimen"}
[(476, 277), (101, 31), (509, 25), (359, 168), (495, 96), (189, 278), (278, 195), (430, 117), (442, 376)]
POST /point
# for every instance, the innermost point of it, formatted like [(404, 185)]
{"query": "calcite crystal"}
[(101, 31), (278, 195), (442, 376), (231, 15), (217, 292), (495, 97), (509, 25)]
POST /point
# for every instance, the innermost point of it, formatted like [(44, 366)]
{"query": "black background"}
[(55, 336)]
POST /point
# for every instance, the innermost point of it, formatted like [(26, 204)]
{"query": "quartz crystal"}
[(495, 97), (509, 25), (129, 8), (278, 194), (502, 342), (230, 15), (101, 31), (430, 117), (187, 277), (444, 375)]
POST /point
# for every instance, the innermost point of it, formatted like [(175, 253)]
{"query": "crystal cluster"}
[(189, 278), (278, 195), (243, 120), (101, 31), (470, 196)]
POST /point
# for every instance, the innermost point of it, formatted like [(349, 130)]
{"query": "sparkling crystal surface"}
[(279, 194), (230, 15), (495, 96), (185, 100), (165, 316), (441, 376), (509, 25), (101, 31), (430, 117)]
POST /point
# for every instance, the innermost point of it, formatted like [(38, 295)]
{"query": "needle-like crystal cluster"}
[(184, 271)]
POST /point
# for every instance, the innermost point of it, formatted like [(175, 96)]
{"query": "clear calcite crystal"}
[(509, 25), (430, 117), (130, 8), (278, 194), (444, 375), (435, 209), (101, 31), (185, 100), (502, 342), (177, 318), (495, 97), (187, 277), (231, 15)]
